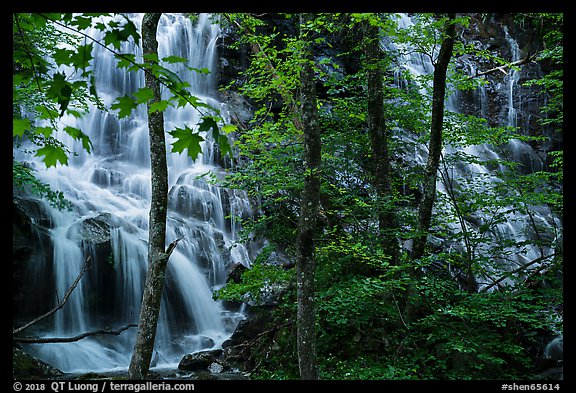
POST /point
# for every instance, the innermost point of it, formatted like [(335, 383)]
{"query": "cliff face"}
[(503, 36)]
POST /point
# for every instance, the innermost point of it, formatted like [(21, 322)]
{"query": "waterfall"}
[(518, 226), (512, 78), (110, 192)]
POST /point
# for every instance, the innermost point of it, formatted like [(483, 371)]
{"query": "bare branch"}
[(523, 267), (172, 246), (85, 268), (45, 340), (501, 68)]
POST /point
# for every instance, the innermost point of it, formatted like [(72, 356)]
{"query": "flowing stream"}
[(110, 188)]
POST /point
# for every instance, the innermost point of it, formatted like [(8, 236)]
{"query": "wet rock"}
[(199, 360)]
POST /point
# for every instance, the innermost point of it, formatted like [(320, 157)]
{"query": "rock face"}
[(32, 249), (499, 35), (31, 246)]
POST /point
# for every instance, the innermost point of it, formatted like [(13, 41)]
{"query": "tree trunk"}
[(379, 141), (157, 258), (435, 144), (308, 220)]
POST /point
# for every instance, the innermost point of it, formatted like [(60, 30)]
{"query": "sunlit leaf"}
[(143, 95), (174, 59), (159, 106)]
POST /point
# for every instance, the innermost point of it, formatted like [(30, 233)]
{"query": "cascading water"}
[(110, 192), (512, 79), (520, 227)]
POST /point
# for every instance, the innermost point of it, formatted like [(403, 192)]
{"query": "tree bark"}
[(379, 141), (157, 257), (308, 220), (435, 144)]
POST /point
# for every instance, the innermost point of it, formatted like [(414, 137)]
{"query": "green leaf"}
[(77, 134), (82, 22), (19, 126), (118, 35), (52, 155), (186, 98), (125, 105), (167, 76), (228, 128), (150, 57), (207, 123), (62, 56), (174, 59), (45, 131), (143, 95), (82, 56), (203, 70), (126, 60), (224, 144), (61, 91), (159, 106), (93, 86), (186, 139)]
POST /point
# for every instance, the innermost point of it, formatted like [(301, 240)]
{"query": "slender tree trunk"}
[(435, 144), (308, 221), (379, 141), (157, 258)]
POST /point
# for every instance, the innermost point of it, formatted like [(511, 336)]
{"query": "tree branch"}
[(501, 68), (45, 340), (172, 246), (85, 268), (504, 277)]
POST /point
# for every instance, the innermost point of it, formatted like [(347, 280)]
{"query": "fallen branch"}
[(45, 340), (501, 68), (85, 268), (523, 267)]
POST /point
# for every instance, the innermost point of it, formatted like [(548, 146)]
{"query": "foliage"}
[(23, 179), (376, 320), (257, 282)]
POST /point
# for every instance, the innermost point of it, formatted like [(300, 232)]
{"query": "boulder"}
[(199, 361), (25, 366)]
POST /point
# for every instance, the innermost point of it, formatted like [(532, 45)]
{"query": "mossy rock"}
[(25, 366)]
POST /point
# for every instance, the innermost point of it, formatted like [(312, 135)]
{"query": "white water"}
[(512, 79), (115, 179)]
